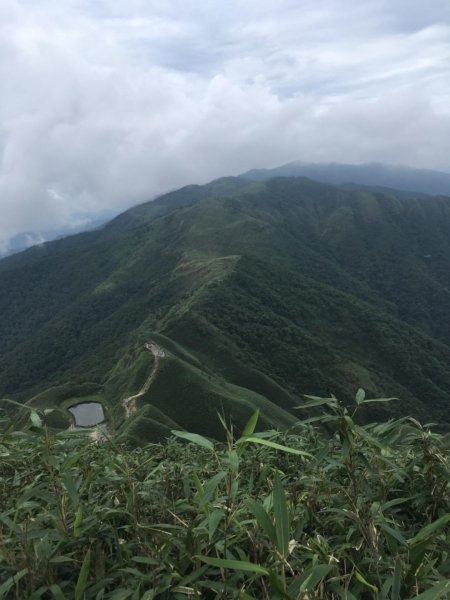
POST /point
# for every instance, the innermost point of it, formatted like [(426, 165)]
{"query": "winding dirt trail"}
[(129, 403)]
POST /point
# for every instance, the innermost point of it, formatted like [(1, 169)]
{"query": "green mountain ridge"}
[(407, 181), (260, 293)]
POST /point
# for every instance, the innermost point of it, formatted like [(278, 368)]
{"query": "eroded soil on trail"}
[(129, 404)]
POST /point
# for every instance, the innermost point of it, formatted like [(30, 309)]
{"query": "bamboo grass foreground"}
[(331, 510)]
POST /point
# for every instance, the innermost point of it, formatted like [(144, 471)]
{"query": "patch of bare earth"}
[(129, 404), (99, 434)]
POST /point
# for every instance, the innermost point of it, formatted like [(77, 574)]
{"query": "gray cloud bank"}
[(105, 103)]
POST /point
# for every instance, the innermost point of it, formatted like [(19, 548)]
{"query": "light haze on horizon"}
[(105, 104)]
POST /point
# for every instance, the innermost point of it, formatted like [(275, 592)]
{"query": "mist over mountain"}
[(407, 181), (25, 240), (259, 292), (376, 175)]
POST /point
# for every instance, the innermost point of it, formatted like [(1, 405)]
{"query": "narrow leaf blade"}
[(429, 529), (280, 510), (274, 445), (83, 576), (437, 591), (263, 519), (195, 438), (251, 424), (237, 565)]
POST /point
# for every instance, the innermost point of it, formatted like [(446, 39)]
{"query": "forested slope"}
[(280, 288)]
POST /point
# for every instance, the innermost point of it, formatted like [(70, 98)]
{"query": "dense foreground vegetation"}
[(330, 510)]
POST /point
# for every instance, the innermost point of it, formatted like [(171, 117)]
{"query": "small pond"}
[(87, 414)]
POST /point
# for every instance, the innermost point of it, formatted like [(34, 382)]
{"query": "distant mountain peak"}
[(375, 175)]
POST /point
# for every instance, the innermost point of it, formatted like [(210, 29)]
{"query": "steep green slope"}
[(312, 338), (188, 396), (278, 288)]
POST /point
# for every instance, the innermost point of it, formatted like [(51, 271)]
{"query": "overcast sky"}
[(106, 103)]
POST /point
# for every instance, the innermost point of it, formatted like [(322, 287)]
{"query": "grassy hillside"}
[(259, 292), (188, 395)]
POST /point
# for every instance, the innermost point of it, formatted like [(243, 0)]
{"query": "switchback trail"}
[(129, 403)]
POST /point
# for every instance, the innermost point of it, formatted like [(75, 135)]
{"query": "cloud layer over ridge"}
[(105, 103)]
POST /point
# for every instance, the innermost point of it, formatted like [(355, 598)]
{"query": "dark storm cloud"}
[(108, 103)]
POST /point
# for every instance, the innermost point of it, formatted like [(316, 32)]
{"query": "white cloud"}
[(107, 103)]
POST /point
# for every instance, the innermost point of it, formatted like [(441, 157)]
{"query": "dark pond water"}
[(87, 413)]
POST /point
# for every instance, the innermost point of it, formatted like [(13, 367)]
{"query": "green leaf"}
[(71, 461), (10, 582), (60, 559), (396, 582), (394, 502), (213, 522), (364, 581), (35, 419), (78, 521), (429, 529), (83, 576), (248, 430), (263, 442), (377, 400), (145, 560), (437, 591), (263, 519), (233, 458), (394, 533), (316, 401), (416, 555), (194, 576), (71, 488), (120, 594), (251, 424), (210, 486), (57, 592), (198, 484), (186, 591), (222, 421), (360, 395), (309, 579), (14, 402), (280, 510), (341, 592), (277, 587), (236, 565), (195, 438)]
